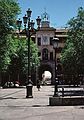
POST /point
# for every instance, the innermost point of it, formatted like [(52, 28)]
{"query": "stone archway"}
[(43, 68)]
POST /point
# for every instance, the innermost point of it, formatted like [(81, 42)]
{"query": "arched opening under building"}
[(45, 73), (46, 77)]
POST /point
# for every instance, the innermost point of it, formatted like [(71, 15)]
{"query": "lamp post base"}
[(56, 94), (29, 96), (29, 91)]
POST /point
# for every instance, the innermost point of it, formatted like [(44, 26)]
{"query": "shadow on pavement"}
[(40, 105), (1, 98)]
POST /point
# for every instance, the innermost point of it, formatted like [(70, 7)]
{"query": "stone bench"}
[(71, 92), (66, 101)]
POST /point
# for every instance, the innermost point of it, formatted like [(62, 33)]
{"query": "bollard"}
[(29, 90)]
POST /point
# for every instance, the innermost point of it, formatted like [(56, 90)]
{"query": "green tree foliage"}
[(9, 9), (23, 54), (13, 50), (6, 51), (18, 59), (72, 56)]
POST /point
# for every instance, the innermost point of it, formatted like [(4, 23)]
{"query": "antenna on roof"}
[(45, 16)]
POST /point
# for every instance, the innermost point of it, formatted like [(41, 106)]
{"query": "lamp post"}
[(55, 42), (19, 23), (29, 29)]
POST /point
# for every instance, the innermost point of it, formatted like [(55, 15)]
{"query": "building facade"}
[(43, 39)]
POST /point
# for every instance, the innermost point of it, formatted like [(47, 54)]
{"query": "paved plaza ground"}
[(15, 106)]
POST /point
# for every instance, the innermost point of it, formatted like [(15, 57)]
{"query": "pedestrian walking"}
[(38, 85)]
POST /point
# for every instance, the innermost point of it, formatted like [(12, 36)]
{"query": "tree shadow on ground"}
[(1, 98)]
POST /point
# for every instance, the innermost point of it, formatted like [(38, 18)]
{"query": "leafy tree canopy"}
[(9, 9), (72, 56), (23, 54)]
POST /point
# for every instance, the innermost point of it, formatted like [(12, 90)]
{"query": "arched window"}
[(45, 54)]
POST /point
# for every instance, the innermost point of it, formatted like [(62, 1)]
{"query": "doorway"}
[(45, 73)]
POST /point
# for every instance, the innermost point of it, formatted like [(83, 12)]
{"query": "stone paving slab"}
[(15, 106)]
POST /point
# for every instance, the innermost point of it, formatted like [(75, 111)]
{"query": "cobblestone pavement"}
[(15, 106)]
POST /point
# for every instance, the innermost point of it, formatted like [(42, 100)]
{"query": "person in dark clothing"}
[(38, 85)]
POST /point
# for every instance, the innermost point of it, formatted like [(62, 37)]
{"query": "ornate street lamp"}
[(55, 42), (29, 27), (38, 21), (19, 23)]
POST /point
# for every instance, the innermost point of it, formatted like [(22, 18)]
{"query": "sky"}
[(60, 11)]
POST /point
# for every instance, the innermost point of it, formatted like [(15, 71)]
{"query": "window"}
[(45, 54), (39, 41), (51, 55), (33, 39), (51, 40), (45, 40)]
